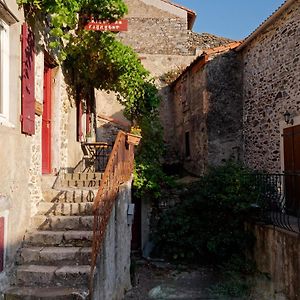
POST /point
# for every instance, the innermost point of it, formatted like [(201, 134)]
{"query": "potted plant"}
[(134, 136), (89, 137)]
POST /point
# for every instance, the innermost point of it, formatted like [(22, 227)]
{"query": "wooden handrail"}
[(118, 170)]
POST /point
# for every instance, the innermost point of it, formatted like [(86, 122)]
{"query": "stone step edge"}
[(57, 238), (65, 208), (46, 292), (43, 276), (56, 222), (54, 256)]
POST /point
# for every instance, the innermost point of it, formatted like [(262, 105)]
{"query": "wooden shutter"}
[(79, 121), (291, 141), (288, 142), (297, 149), (28, 98), (88, 119)]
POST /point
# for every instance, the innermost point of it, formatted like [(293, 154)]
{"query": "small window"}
[(187, 145), (4, 71)]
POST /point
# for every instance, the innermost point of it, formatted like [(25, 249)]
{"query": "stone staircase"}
[(54, 262)]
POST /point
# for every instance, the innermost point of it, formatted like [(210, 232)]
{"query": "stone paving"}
[(157, 280)]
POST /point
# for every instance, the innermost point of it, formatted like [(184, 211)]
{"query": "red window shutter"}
[(88, 117), (79, 121), (28, 98), (1, 244)]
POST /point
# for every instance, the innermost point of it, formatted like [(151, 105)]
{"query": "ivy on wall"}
[(94, 59)]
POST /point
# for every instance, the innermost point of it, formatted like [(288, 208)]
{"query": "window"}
[(4, 71)]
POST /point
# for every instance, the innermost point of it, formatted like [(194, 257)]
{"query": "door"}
[(46, 121), (136, 226), (291, 140)]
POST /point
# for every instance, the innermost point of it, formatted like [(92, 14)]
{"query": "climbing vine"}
[(99, 60)]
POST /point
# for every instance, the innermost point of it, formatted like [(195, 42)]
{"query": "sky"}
[(234, 19)]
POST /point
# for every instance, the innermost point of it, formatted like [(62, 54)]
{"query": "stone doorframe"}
[(282, 126)]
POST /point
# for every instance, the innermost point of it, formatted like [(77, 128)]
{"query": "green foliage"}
[(208, 225), (210, 219), (98, 60), (105, 63), (149, 177), (67, 18)]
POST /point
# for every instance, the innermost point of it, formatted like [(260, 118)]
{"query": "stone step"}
[(70, 238), (65, 209), (70, 196), (42, 222), (46, 293), (41, 275), (55, 256)]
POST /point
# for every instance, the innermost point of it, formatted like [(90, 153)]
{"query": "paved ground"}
[(157, 280)]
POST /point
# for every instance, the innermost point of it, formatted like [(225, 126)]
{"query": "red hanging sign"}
[(120, 25)]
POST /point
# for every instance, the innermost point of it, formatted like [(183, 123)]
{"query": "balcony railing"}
[(279, 195)]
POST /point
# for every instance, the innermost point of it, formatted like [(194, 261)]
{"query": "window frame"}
[(5, 72)]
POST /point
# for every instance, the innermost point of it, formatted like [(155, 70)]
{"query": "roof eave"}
[(191, 19)]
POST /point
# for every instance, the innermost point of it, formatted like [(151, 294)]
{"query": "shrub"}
[(209, 220)]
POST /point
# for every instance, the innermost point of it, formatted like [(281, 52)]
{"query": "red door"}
[(46, 122)]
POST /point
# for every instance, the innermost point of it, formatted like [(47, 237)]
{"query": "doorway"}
[(46, 120), (291, 143)]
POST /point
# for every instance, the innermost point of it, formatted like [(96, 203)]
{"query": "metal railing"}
[(279, 196), (95, 156), (118, 170)]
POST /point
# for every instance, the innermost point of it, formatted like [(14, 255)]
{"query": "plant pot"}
[(89, 139), (133, 139)]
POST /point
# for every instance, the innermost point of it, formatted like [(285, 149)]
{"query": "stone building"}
[(245, 103), (37, 126), (43, 230), (207, 110), (161, 33), (271, 70), (271, 139), (257, 81)]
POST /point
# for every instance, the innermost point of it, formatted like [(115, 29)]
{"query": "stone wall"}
[(158, 33), (224, 116), (21, 155), (16, 151), (271, 86), (155, 31), (277, 256), (112, 278), (157, 36), (207, 103)]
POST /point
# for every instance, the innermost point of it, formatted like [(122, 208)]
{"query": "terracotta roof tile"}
[(222, 48)]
